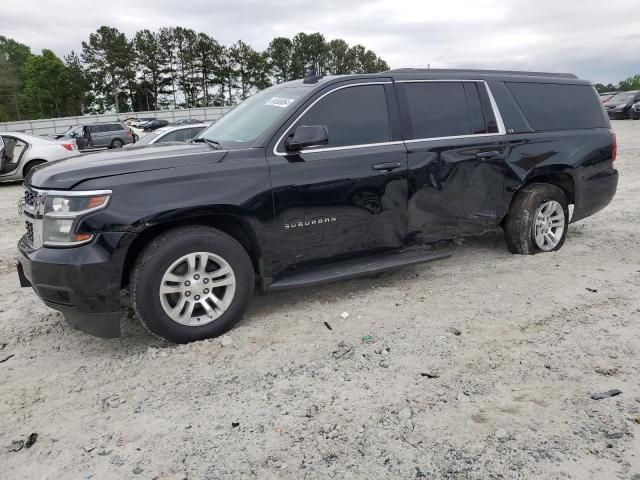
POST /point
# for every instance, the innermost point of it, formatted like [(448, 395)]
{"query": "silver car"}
[(180, 133), (20, 152)]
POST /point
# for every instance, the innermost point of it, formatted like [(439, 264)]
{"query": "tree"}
[(79, 87), (150, 58), (49, 88), (208, 60), (309, 54), (631, 83), (109, 62), (605, 88), (185, 40), (280, 56), (339, 58), (13, 57)]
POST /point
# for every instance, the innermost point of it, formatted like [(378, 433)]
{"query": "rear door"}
[(349, 196), (456, 149), (100, 135)]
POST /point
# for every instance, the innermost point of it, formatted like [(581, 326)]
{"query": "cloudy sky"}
[(597, 40)]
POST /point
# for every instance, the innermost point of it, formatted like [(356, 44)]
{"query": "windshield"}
[(254, 116), (622, 97)]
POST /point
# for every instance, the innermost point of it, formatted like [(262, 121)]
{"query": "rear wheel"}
[(135, 137), (117, 143), (30, 166), (192, 283), (537, 220)]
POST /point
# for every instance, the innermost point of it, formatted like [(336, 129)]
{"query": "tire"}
[(135, 137), (30, 166), (157, 262), (116, 143), (520, 225)]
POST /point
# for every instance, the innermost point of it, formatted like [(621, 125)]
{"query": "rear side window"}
[(353, 116), (552, 106), (438, 109), (175, 136)]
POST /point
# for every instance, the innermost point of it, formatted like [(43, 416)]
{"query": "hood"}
[(65, 174)]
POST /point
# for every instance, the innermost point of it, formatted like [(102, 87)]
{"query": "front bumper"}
[(82, 282), (621, 115)]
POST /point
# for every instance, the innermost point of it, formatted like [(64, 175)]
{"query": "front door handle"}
[(489, 154), (386, 166)]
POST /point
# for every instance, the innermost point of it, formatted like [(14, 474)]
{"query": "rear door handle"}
[(387, 166), (489, 154)]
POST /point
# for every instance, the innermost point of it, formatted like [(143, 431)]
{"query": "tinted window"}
[(438, 109), (487, 109), (478, 122), (551, 106), (353, 116)]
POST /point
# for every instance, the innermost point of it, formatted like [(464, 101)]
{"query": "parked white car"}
[(179, 133), (21, 152)]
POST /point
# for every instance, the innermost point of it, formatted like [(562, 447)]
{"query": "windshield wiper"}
[(214, 143)]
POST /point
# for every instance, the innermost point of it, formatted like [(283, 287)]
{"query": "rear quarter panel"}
[(585, 155)]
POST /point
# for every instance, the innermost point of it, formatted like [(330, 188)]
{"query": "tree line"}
[(173, 67), (631, 83)]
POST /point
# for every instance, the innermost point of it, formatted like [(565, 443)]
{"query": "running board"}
[(347, 269)]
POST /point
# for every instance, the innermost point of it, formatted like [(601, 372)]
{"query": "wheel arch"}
[(31, 161), (235, 226), (562, 179), (561, 176)]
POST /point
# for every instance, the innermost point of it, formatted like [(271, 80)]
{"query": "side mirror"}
[(308, 136)]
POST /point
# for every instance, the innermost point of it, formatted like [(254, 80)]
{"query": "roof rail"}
[(485, 72)]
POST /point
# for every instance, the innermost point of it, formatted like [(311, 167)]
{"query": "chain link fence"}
[(59, 125)]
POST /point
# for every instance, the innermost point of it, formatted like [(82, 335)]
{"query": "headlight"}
[(61, 213)]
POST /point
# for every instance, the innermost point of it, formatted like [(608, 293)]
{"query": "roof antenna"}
[(312, 76)]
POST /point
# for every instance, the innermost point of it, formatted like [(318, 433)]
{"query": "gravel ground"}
[(481, 366)]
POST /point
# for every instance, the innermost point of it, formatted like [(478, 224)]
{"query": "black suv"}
[(313, 181)]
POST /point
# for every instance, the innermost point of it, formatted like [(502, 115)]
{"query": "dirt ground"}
[(477, 367)]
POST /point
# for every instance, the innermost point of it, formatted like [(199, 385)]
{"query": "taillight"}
[(68, 146), (614, 152), (129, 132)]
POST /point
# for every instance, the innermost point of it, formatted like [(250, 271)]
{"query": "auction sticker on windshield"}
[(281, 102)]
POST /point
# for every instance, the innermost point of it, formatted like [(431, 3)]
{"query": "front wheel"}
[(538, 220), (192, 283)]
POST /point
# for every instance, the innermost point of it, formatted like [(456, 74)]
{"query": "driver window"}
[(353, 116)]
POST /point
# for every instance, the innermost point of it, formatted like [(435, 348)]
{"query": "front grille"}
[(30, 204), (29, 227), (30, 198)]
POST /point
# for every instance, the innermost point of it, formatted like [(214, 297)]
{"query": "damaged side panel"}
[(455, 186)]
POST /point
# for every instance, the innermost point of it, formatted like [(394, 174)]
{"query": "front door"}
[(456, 147), (350, 195)]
